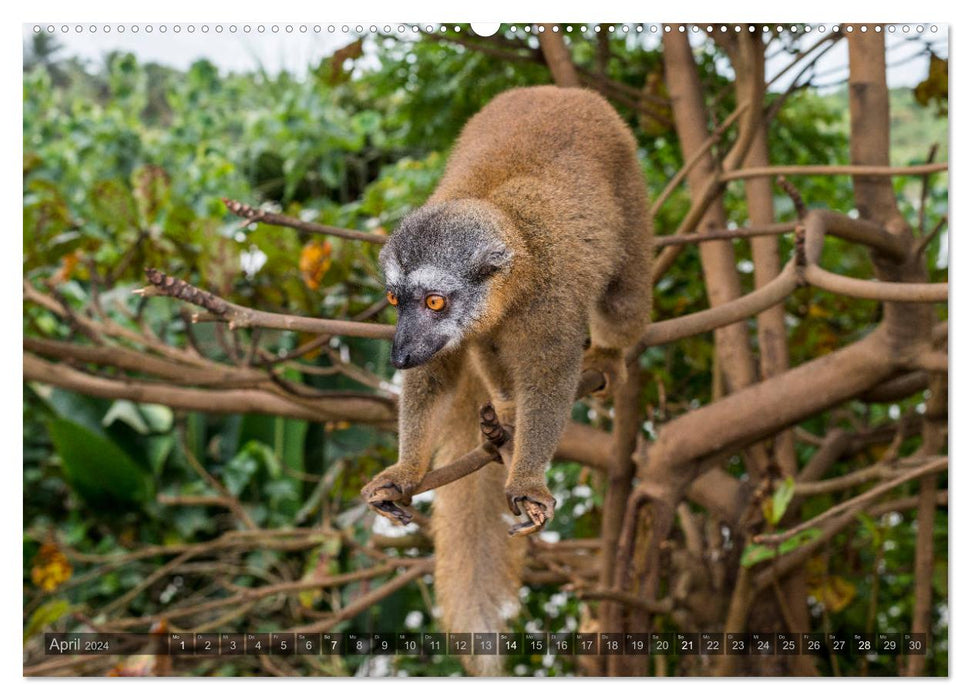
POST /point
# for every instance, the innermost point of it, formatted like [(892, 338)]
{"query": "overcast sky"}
[(296, 50)]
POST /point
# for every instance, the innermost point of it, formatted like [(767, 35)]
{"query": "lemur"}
[(537, 238)]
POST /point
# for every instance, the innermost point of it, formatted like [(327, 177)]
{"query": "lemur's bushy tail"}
[(478, 566)]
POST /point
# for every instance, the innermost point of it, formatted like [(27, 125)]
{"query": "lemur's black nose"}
[(401, 362), (401, 355)]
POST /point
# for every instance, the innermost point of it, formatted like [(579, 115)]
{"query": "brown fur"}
[(559, 168)]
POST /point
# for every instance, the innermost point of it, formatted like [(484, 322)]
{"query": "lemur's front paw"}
[(609, 362), (536, 501), (390, 488)]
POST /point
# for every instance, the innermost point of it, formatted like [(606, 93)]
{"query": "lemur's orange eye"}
[(435, 302), (392, 299)]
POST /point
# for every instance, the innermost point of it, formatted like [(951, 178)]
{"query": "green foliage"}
[(97, 469)]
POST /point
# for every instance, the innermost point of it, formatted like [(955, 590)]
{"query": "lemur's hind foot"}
[(391, 489), (609, 362)]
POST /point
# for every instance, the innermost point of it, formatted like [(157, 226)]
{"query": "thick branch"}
[(131, 360), (826, 222), (557, 57), (878, 291), (765, 408), (731, 312), (722, 283)]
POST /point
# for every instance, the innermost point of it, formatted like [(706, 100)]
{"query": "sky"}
[(232, 48)]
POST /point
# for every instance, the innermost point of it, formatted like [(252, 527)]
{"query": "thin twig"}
[(932, 467), (243, 317), (231, 501), (856, 170), (924, 189), (252, 215), (724, 234)]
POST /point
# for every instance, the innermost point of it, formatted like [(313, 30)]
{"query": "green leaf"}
[(265, 454), (87, 411), (157, 449), (127, 413), (142, 418), (151, 189), (96, 468), (797, 541), (775, 508), (247, 462), (286, 435), (45, 616), (113, 206), (755, 553), (159, 418)]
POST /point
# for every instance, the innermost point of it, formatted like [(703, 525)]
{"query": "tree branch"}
[(878, 291), (253, 215), (557, 57), (856, 503), (365, 410), (243, 317), (854, 170)]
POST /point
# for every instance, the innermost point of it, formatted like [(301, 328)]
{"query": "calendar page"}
[(592, 349)]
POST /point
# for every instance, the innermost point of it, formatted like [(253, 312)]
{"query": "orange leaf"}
[(51, 568), (315, 260), (64, 272)]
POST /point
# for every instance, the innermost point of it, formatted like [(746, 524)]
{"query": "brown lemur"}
[(537, 236)]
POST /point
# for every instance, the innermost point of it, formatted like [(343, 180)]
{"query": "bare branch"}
[(857, 503), (840, 483), (652, 606), (716, 317), (854, 170), (557, 57), (878, 291), (362, 603), (366, 410), (724, 234), (243, 317), (825, 222), (697, 156), (933, 361), (253, 215)]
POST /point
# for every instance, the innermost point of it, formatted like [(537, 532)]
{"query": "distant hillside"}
[(913, 128)]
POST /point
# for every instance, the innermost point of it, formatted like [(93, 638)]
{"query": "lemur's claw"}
[(391, 511), (384, 497), (538, 512)]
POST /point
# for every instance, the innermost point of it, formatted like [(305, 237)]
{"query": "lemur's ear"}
[(491, 257), (389, 264)]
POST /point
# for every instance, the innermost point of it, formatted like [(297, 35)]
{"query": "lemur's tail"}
[(478, 566)]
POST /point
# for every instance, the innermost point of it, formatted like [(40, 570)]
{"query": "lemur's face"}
[(438, 268), (435, 308)]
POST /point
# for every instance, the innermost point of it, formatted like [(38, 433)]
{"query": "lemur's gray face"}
[(437, 266)]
